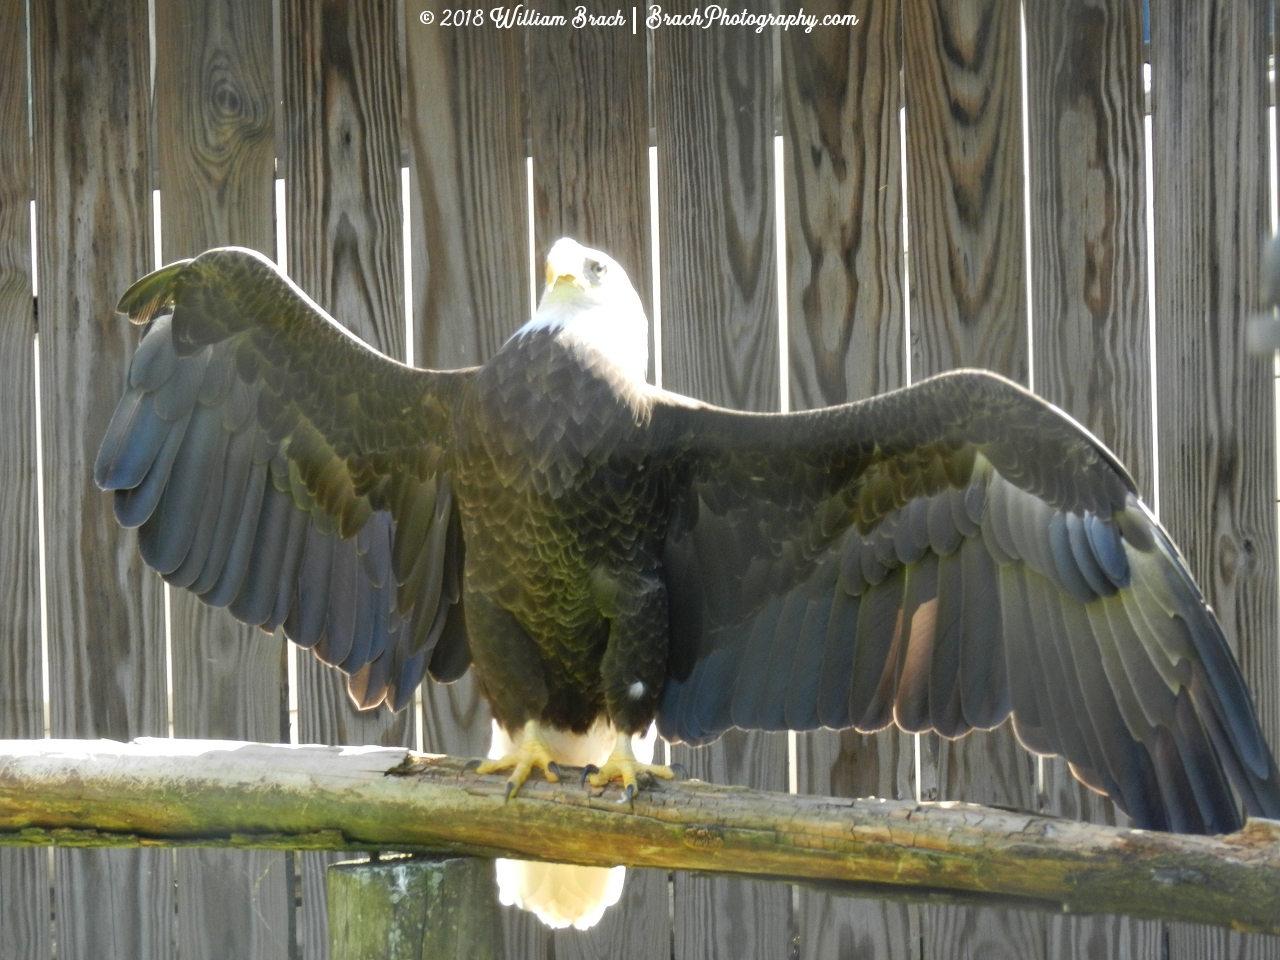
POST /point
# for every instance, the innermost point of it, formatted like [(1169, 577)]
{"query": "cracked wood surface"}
[(158, 792)]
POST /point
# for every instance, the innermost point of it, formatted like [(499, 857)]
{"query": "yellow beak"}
[(564, 262)]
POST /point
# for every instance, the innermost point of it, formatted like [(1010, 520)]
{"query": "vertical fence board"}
[(1088, 220), (24, 874), (25, 906), (342, 112), (845, 314), (342, 116), (465, 127), (1091, 351), (964, 182), (968, 288), (215, 136), (591, 182), (1216, 418), (466, 130), (845, 283), (588, 127), (713, 102), (106, 635), (21, 696), (470, 283), (713, 111)]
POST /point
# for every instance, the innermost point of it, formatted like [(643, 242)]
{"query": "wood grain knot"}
[(703, 838)]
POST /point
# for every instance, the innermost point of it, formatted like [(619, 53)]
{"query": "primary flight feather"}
[(599, 550)]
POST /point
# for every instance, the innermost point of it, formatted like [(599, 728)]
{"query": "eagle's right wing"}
[(276, 465)]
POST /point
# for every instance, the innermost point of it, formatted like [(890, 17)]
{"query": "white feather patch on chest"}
[(570, 749)]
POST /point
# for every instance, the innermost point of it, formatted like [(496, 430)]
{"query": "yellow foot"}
[(532, 751), (623, 765)]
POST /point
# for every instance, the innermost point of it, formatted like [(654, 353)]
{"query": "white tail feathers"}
[(561, 894)]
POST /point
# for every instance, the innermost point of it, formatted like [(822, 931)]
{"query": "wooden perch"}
[(218, 793)]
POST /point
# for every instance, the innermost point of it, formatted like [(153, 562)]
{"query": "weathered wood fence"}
[(1047, 241)]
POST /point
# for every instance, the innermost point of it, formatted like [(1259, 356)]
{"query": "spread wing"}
[(944, 557), (277, 466)]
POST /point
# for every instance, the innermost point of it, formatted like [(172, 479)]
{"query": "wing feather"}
[(835, 696), (452, 655), (365, 618), (876, 654), (237, 465), (946, 672), (135, 505), (791, 626), (236, 565), (984, 685), (911, 538), (996, 532), (1048, 643), (1105, 726), (178, 394), (1093, 705), (311, 610), (1029, 696), (290, 567), (257, 595), (122, 465), (914, 636), (801, 708), (166, 536), (944, 537), (754, 695)]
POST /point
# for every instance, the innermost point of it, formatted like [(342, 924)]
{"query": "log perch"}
[(159, 792)]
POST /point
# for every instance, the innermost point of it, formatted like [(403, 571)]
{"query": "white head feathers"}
[(590, 298)]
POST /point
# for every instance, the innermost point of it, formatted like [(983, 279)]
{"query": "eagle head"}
[(589, 299)]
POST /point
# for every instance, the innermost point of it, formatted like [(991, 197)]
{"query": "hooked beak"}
[(564, 263)]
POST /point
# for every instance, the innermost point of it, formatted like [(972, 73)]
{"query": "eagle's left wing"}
[(943, 557)]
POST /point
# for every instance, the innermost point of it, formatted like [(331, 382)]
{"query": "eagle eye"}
[(596, 270)]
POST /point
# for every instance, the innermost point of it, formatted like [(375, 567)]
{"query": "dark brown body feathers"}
[(564, 514)]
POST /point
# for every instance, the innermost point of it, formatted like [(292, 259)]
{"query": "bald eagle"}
[(603, 553)]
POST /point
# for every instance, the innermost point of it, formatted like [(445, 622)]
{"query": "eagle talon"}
[(623, 765), (587, 771), (680, 771), (531, 751)]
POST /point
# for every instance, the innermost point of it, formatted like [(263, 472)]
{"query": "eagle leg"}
[(532, 751), (623, 765)]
